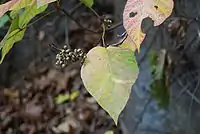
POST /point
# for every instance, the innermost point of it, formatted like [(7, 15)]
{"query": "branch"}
[(72, 18)]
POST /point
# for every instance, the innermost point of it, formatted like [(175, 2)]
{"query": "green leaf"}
[(14, 12), (19, 4), (88, 3), (3, 20), (9, 41), (24, 3), (62, 98), (18, 27), (29, 13), (74, 95), (108, 74), (159, 88), (66, 97), (160, 92)]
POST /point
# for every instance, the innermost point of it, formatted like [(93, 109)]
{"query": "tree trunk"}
[(142, 115)]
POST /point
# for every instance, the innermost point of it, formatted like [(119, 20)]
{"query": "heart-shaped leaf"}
[(108, 74), (136, 10)]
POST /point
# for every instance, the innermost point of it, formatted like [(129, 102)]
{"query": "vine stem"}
[(72, 18), (49, 13), (102, 25)]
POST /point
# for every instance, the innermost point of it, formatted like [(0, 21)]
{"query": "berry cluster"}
[(108, 22), (67, 56)]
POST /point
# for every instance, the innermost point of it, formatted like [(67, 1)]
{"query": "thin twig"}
[(124, 36), (10, 18), (42, 17), (103, 35), (114, 26), (75, 8), (102, 25), (72, 18)]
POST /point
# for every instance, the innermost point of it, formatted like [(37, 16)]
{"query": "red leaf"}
[(6, 6)]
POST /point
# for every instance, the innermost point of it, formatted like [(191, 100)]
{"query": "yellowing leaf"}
[(128, 44), (108, 74), (22, 3), (109, 132), (136, 10), (88, 3)]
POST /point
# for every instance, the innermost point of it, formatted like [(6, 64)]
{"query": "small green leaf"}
[(159, 88), (66, 97), (108, 76), (3, 20), (74, 95), (88, 3), (159, 91), (62, 98)]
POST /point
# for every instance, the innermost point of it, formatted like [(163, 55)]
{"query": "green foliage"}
[(108, 74), (66, 97), (18, 27), (62, 98), (3, 20), (159, 88), (87, 3), (25, 3), (74, 95), (159, 91)]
